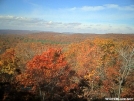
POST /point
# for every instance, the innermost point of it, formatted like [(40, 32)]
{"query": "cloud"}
[(103, 7), (129, 28), (115, 6), (92, 8), (72, 24), (15, 22), (125, 8), (111, 13), (128, 8)]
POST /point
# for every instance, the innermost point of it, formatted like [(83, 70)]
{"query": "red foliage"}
[(51, 59), (48, 69)]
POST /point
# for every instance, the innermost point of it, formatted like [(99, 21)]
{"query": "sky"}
[(77, 16)]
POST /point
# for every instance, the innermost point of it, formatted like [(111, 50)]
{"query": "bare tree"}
[(127, 57)]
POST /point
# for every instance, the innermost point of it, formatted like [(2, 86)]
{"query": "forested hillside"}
[(49, 66)]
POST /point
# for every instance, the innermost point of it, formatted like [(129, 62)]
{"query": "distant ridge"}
[(12, 31), (9, 31)]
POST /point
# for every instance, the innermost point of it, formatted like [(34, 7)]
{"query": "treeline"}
[(89, 70)]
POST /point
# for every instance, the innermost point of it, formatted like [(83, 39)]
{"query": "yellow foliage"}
[(8, 62)]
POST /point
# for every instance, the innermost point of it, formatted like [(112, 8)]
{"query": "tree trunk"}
[(119, 89), (42, 95)]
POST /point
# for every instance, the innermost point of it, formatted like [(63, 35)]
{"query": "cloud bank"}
[(15, 22)]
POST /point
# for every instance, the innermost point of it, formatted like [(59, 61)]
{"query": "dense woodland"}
[(48, 66)]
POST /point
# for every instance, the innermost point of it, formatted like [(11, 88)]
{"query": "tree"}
[(117, 65), (126, 52), (46, 73), (8, 62), (85, 58), (108, 67), (8, 70)]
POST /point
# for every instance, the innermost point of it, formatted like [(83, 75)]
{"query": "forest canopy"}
[(51, 66)]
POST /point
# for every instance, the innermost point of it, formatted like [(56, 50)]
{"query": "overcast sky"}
[(83, 16)]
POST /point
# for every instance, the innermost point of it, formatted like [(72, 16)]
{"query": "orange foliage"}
[(49, 68)]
